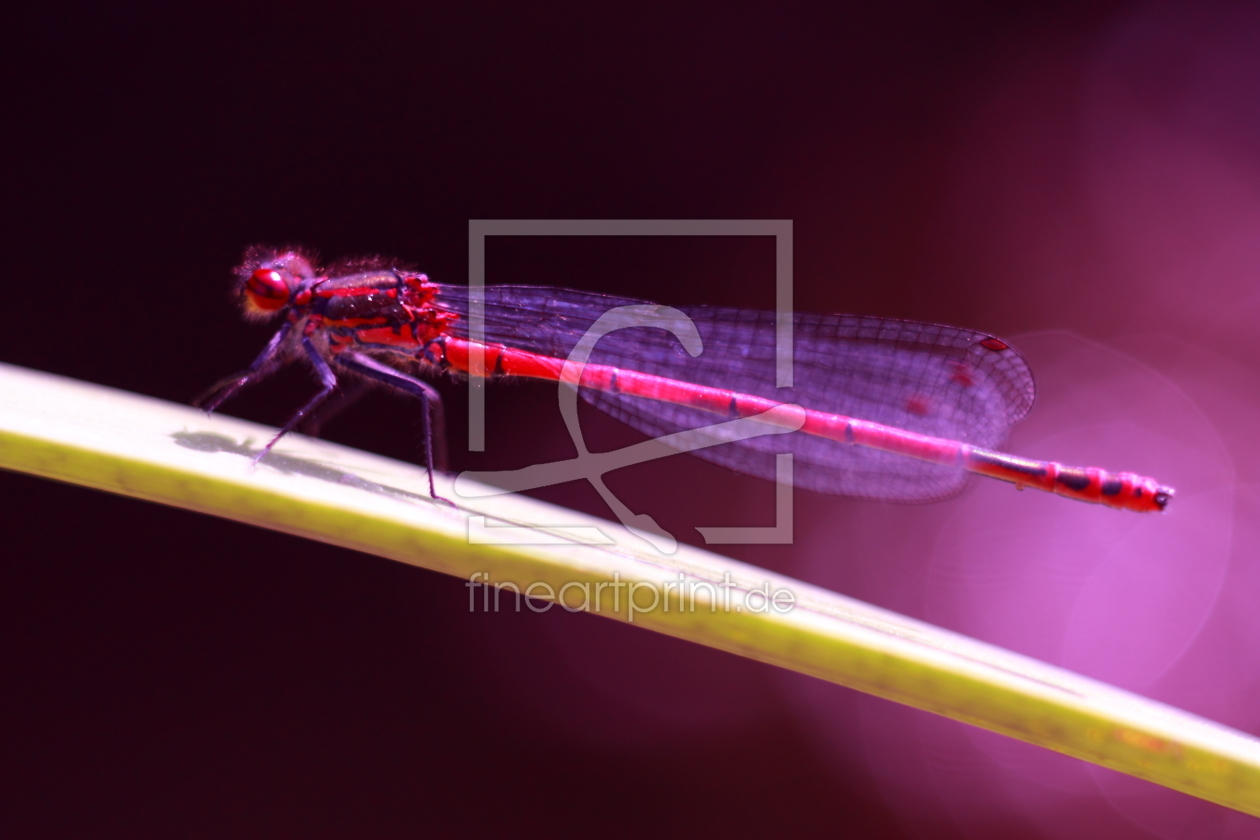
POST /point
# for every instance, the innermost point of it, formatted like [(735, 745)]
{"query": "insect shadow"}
[(290, 465)]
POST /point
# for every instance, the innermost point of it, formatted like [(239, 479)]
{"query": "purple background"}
[(1081, 178)]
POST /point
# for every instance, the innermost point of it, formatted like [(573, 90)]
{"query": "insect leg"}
[(348, 396), (333, 408), (431, 416), (266, 362), (327, 379)]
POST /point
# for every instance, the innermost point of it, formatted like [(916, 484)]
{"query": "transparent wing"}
[(936, 380)]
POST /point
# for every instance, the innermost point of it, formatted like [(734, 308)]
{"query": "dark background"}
[(172, 674)]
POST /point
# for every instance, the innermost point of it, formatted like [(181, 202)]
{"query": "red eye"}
[(266, 291)]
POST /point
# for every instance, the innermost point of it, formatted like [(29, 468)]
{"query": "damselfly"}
[(889, 410)]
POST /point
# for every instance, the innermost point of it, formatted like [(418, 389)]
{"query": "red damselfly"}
[(892, 410)]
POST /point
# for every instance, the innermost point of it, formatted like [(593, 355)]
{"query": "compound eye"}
[(266, 291)]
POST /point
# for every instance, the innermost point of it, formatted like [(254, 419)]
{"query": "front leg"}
[(266, 362)]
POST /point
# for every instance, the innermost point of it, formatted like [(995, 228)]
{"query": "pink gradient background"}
[(1119, 183), (1116, 179)]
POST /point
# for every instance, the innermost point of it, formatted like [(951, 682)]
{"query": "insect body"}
[(888, 410)]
